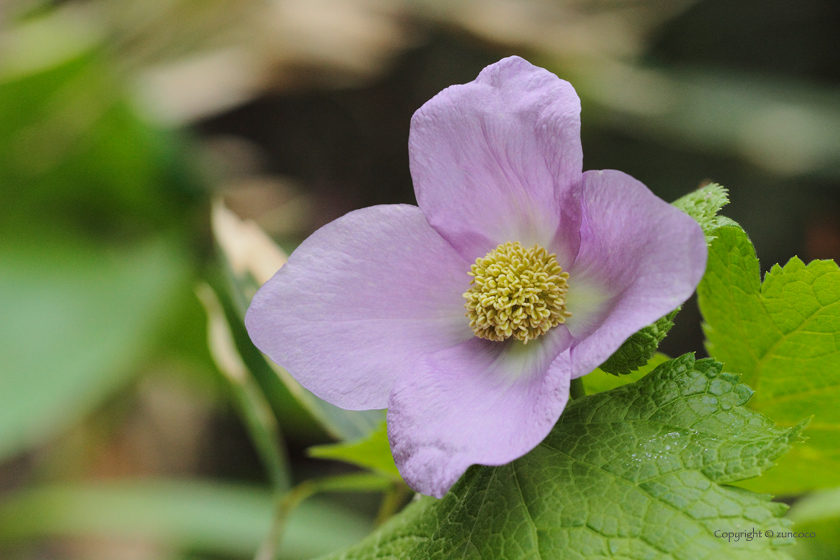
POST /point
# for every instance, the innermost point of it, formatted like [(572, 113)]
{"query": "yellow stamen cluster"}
[(516, 292)]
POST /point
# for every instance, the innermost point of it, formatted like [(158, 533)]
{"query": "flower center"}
[(516, 292)]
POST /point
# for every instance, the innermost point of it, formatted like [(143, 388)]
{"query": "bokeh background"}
[(145, 145)]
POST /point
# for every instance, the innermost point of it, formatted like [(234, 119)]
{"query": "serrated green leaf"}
[(783, 336), (640, 347), (599, 381), (631, 473), (703, 205), (372, 452)]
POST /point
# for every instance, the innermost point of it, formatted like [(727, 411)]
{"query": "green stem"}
[(394, 498), (282, 508), (576, 389), (286, 504)]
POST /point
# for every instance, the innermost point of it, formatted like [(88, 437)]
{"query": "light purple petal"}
[(359, 301), (481, 402), (499, 159), (639, 259)]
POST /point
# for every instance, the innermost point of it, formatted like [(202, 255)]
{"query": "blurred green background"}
[(129, 127)]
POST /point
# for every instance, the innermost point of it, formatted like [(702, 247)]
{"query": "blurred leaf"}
[(48, 40), (372, 452), (781, 335), (817, 513), (74, 156), (254, 408), (599, 381), (640, 348), (352, 482), (212, 517), (250, 258), (76, 321)]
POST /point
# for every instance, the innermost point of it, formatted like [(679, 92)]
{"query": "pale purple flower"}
[(370, 311)]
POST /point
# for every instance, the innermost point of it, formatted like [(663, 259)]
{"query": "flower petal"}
[(360, 300), (639, 258), (480, 402), (499, 159)]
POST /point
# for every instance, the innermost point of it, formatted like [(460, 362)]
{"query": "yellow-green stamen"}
[(516, 292)]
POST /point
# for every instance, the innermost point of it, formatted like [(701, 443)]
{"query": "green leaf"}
[(76, 320), (635, 472), (818, 515), (703, 205), (640, 347), (212, 517), (372, 452), (599, 380), (783, 336)]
